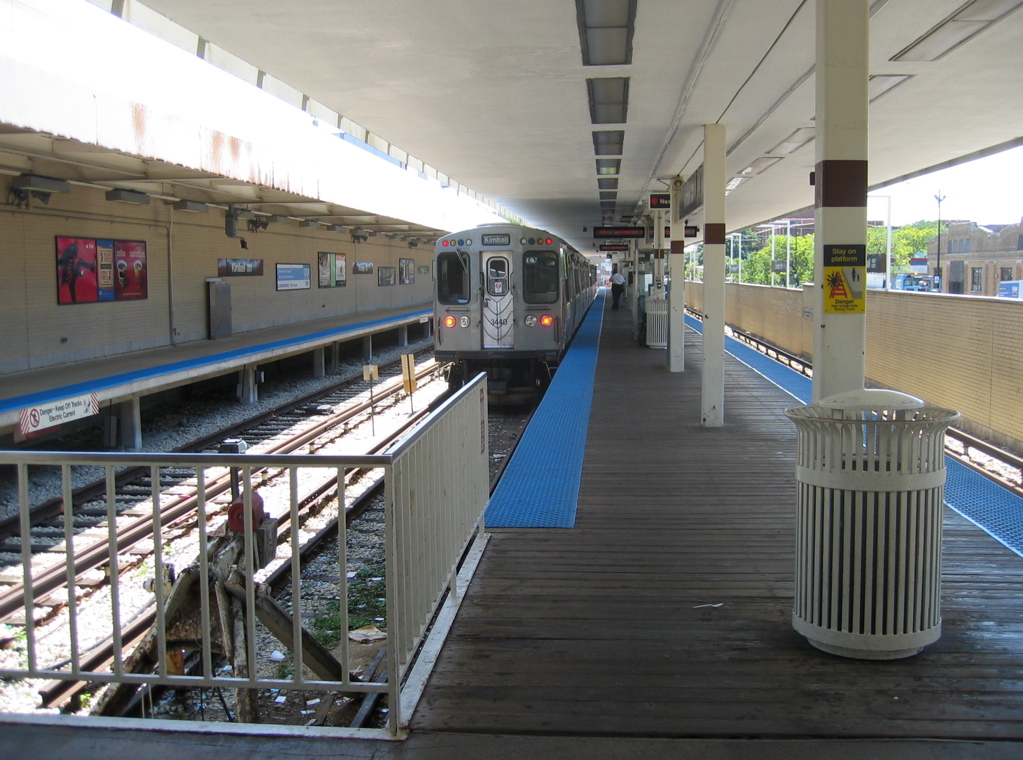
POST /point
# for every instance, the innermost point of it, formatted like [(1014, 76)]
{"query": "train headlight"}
[(546, 320), (530, 320), (450, 321), (463, 321)]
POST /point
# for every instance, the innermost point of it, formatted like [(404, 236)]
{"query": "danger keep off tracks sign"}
[(845, 279), (48, 415)]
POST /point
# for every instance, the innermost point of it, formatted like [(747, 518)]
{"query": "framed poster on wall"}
[(132, 276), (331, 270), (407, 271), (294, 276), (90, 270), (385, 276), (76, 270)]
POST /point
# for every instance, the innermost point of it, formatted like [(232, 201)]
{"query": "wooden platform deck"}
[(666, 611)]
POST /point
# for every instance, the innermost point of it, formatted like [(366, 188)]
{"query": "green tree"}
[(912, 240), (757, 267)]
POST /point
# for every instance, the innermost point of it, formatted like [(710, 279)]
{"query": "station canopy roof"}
[(566, 115)]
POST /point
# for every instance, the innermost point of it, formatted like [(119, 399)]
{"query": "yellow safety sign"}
[(845, 279)]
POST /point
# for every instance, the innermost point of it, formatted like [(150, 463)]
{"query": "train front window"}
[(497, 276), (540, 276), (453, 277)]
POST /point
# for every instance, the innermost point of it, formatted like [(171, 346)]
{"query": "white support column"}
[(335, 357), (713, 385), (319, 362), (130, 414), (839, 344), (637, 291), (659, 248), (677, 297), (248, 387)]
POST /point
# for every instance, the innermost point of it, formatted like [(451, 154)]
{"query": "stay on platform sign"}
[(48, 415), (845, 279)]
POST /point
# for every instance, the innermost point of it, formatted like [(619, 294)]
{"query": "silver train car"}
[(508, 300)]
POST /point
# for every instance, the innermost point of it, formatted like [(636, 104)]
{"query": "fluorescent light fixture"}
[(608, 195), (244, 213), (879, 84), (760, 165), (609, 166), (734, 182), (970, 20), (193, 206), (609, 143), (606, 28), (128, 196), (608, 183), (609, 99), (278, 219), (310, 223), (794, 142), (34, 182)]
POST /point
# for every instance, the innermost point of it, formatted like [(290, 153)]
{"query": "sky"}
[(987, 191)]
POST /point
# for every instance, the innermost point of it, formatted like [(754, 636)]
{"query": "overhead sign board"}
[(692, 194), (619, 233), (660, 200), (614, 246), (495, 238)]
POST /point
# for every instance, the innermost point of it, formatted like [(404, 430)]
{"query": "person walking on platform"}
[(617, 288)]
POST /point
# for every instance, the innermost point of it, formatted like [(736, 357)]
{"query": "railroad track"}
[(176, 509), (998, 465), (253, 431)]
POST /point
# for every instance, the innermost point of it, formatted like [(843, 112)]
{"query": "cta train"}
[(508, 301)]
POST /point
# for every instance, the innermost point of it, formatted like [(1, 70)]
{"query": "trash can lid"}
[(871, 398)]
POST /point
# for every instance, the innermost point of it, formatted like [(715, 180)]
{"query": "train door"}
[(498, 302)]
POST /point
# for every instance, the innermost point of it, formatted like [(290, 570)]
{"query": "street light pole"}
[(939, 198), (788, 250)]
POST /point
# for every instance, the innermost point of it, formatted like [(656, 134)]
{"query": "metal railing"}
[(436, 489)]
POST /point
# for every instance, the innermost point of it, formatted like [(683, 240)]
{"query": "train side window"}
[(540, 277), (453, 277)]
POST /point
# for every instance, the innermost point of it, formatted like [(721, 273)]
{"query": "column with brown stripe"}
[(839, 344), (713, 379)]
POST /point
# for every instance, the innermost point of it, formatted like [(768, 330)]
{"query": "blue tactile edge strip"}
[(55, 394), (995, 510), (540, 486)]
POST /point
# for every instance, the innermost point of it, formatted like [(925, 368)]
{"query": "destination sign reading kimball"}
[(619, 233)]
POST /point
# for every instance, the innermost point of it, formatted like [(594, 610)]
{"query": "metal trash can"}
[(870, 471), (657, 322)]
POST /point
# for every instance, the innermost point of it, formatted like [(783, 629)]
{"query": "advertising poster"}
[(132, 274), (294, 277), (76, 271), (845, 276), (385, 276), (332, 272), (340, 271), (362, 267), (407, 271), (105, 269)]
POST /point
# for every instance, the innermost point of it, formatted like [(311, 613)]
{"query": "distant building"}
[(975, 259)]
